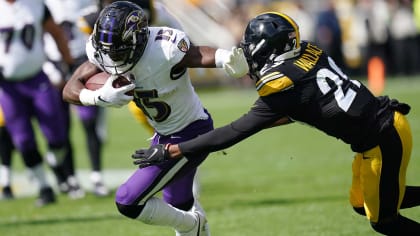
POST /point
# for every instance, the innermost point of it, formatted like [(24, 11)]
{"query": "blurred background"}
[(365, 37), (275, 173)]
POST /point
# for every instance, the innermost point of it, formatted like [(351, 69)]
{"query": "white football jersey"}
[(21, 47), (67, 13), (167, 98)]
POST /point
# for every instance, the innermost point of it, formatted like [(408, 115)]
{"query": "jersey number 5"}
[(142, 100), (344, 97)]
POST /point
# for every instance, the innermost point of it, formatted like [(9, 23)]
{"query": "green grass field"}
[(286, 181)]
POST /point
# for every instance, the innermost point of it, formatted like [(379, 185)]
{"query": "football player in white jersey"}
[(157, 59), (26, 92), (157, 15)]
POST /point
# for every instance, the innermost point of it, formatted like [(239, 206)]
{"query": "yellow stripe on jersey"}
[(2, 121), (273, 83)]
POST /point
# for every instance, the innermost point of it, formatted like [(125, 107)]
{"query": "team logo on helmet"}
[(134, 23)]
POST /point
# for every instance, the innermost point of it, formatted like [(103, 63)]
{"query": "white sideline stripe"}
[(24, 185)]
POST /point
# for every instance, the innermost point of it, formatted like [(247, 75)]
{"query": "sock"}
[(5, 176), (39, 173), (6, 147), (196, 185), (157, 212), (72, 181), (96, 177), (56, 160), (197, 207)]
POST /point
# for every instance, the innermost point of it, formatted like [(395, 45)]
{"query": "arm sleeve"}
[(259, 117)]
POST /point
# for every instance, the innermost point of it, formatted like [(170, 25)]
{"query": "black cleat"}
[(7, 193), (46, 196)]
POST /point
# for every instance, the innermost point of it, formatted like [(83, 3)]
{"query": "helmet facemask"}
[(256, 55), (120, 37)]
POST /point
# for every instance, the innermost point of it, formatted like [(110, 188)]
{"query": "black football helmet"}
[(267, 37), (146, 5), (120, 36)]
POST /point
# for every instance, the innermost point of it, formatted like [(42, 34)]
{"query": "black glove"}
[(154, 155), (403, 108)]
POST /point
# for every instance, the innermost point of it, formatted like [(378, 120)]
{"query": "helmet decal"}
[(133, 24)]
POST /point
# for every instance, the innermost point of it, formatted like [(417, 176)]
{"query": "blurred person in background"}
[(67, 14), (416, 12), (328, 33), (375, 15), (26, 91), (403, 32), (6, 150)]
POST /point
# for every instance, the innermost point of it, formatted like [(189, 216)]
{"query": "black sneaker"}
[(7, 193), (46, 196)]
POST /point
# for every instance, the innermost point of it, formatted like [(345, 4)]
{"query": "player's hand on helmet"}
[(156, 154), (236, 66), (233, 62), (107, 95)]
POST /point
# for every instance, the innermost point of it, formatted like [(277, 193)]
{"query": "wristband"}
[(221, 56), (87, 97), (167, 150)]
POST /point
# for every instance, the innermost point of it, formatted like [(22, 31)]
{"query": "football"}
[(98, 80)]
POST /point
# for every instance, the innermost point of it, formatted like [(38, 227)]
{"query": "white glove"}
[(107, 95), (233, 62)]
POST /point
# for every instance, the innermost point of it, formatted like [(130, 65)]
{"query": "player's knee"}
[(125, 201), (360, 210), (131, 211)]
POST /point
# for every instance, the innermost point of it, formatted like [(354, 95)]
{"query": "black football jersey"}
[(313, 90), (310, 89)]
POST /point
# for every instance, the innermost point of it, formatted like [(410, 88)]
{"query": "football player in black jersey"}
[(297, 81)]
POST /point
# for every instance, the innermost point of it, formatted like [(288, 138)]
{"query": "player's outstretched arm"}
[(198, 56), (233, 62), (215, 140)]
